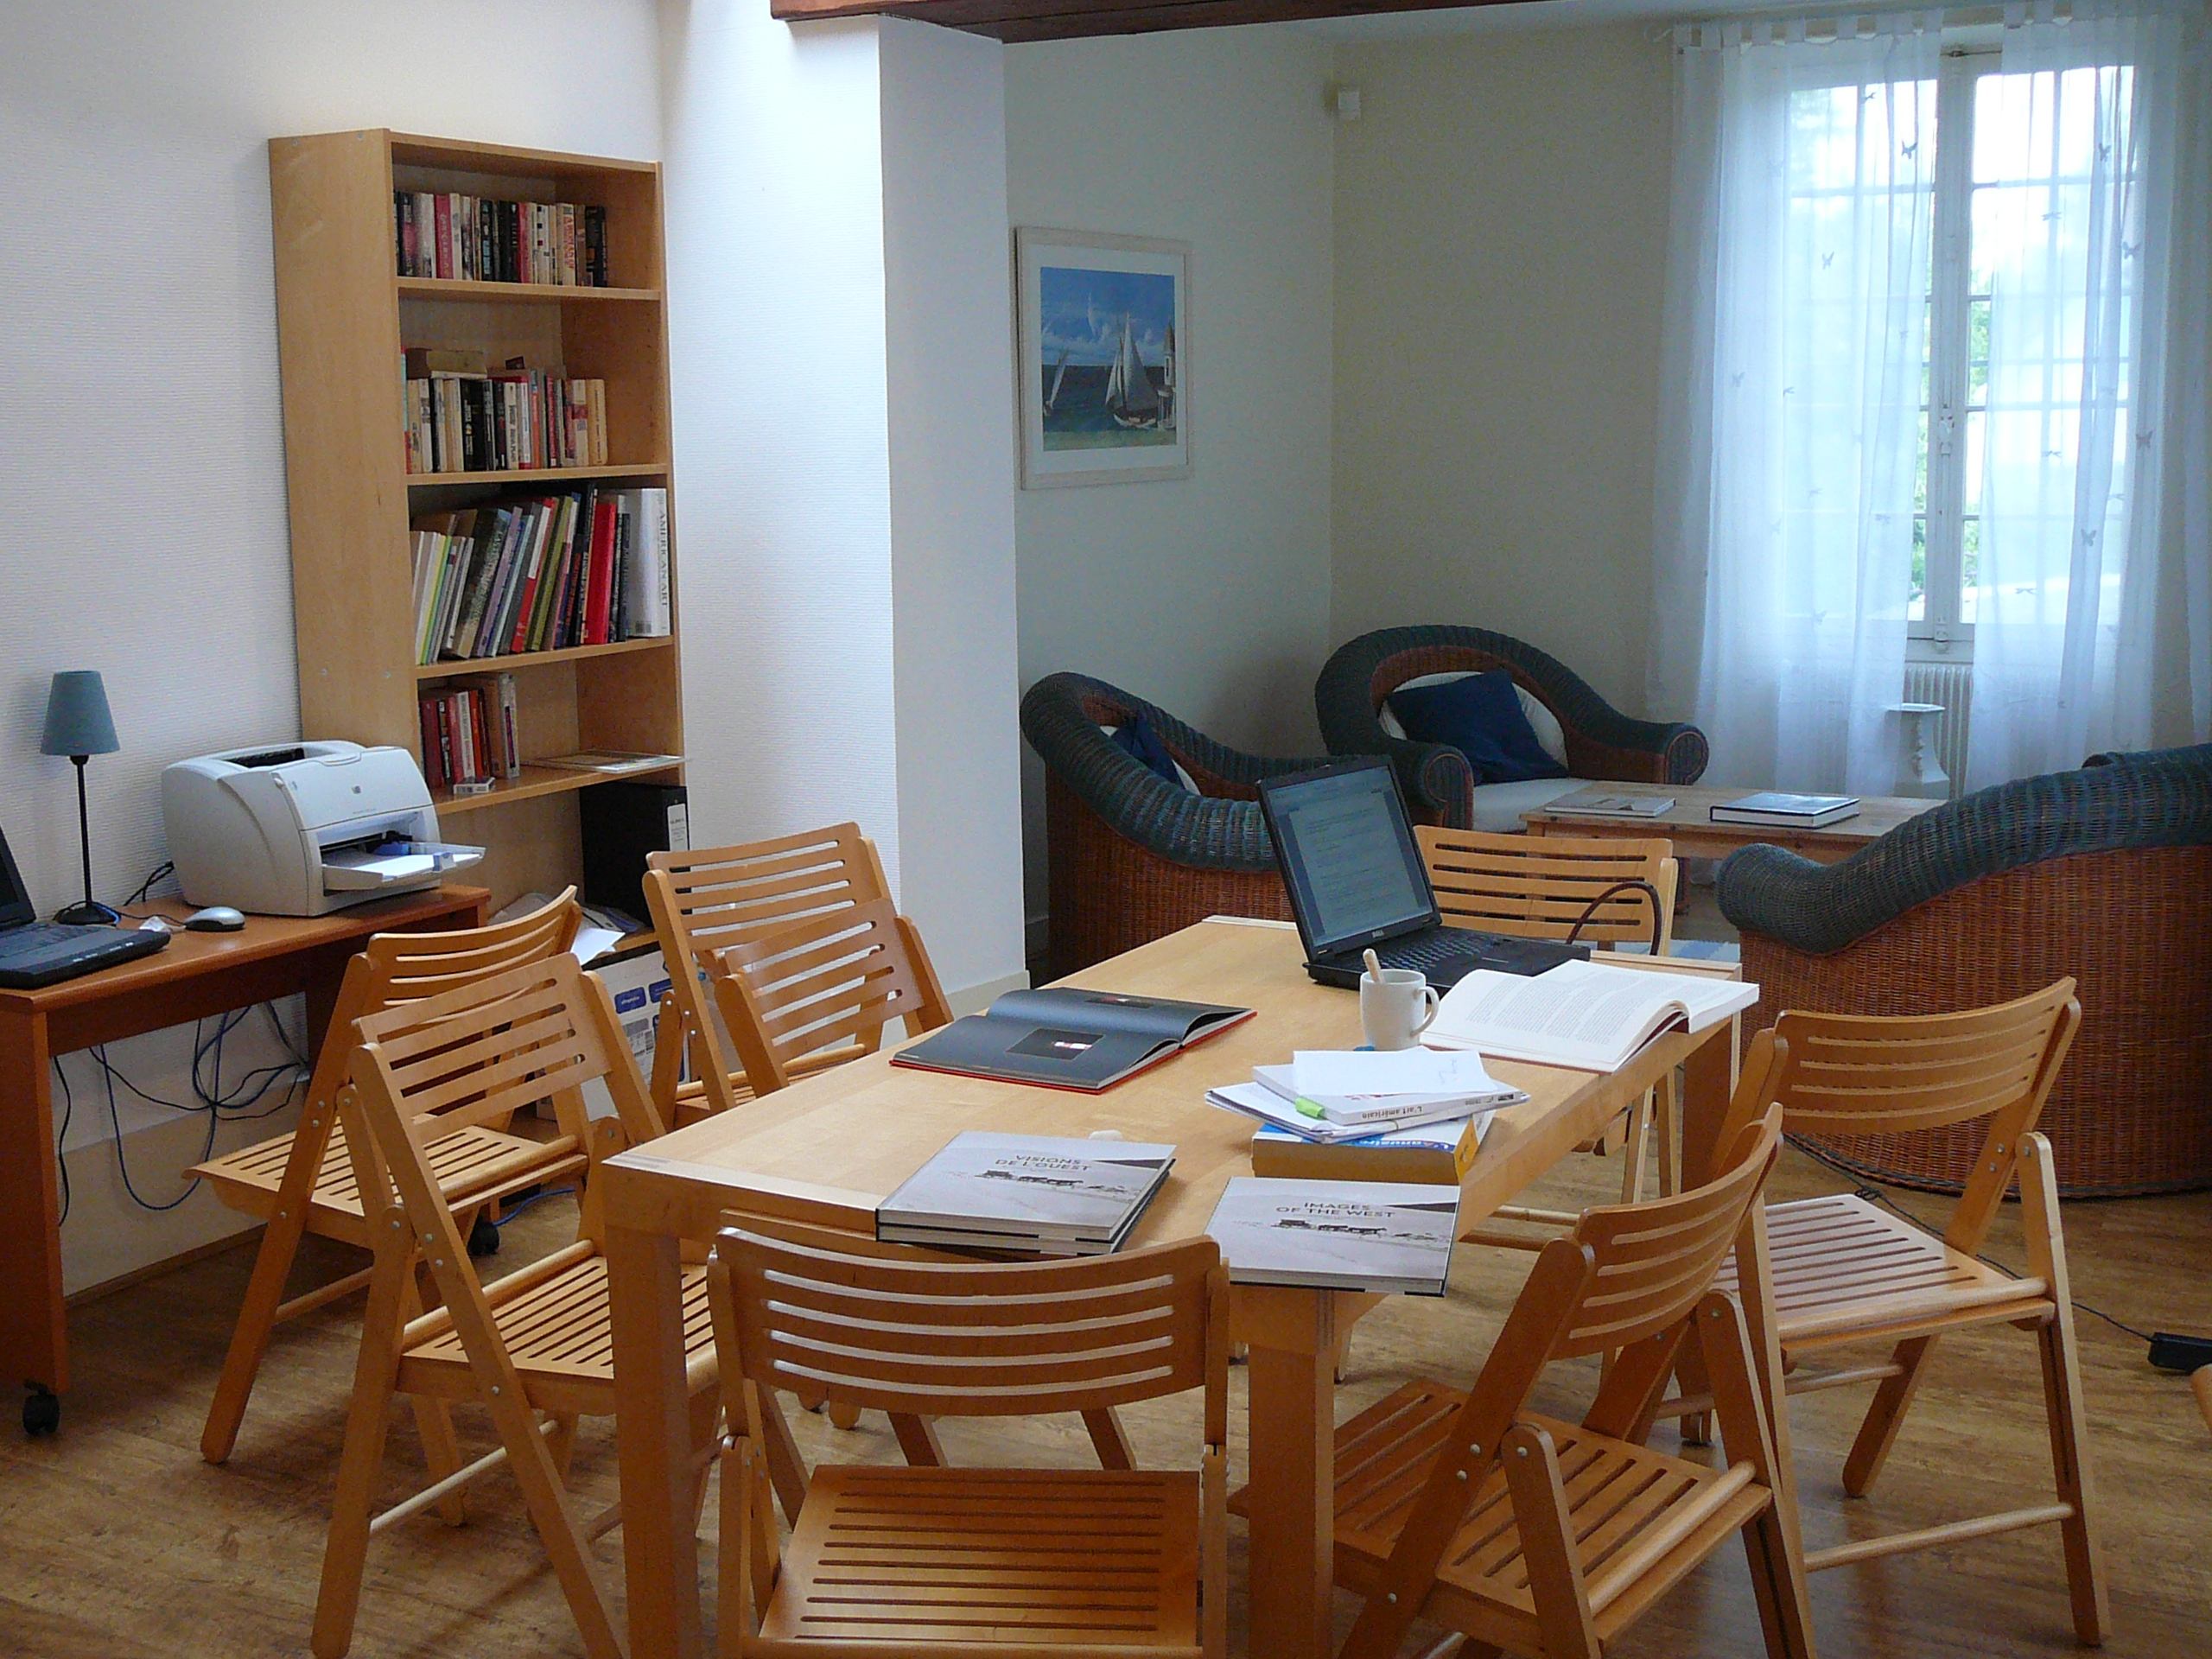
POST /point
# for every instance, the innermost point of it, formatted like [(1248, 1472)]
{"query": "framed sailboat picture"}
[(1105, 334)]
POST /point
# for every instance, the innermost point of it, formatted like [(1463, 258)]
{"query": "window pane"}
[(1977, 438), (1978, 351), (1917, 610), (1969, 567)]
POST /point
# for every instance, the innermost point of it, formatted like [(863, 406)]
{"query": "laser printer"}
[(303, 828)]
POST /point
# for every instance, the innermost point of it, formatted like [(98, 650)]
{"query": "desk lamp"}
[(78, 725)]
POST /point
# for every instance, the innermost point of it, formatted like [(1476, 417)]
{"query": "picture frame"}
[(1102, 352)]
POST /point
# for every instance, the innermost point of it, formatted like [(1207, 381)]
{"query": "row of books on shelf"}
[(549, 573), (462, 417), (445, 234), (472, 739), (469, 736)]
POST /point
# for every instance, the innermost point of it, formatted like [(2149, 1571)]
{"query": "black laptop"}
[(1357, 883), (35, 953)]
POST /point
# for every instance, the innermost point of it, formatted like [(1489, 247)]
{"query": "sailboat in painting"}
[(1060, 373), (1131, 398)]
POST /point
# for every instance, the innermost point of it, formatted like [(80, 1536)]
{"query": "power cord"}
[(535, 1197), (61, 1139), (220, 1104), (165, 868)]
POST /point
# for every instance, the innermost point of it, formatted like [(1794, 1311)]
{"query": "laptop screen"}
[(15, 900), (1347, 856)]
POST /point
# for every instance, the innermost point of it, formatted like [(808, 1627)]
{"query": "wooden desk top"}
[(828, 1148), (189, 955), (1693, 809)]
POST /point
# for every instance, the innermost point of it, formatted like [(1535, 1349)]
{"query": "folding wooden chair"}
[(827, 985), (538, 1340), (709, 898), (1550, 888), (1538, 1536), (311, 1180), (1846, 1271), (917, 1435), (1008, 1563)]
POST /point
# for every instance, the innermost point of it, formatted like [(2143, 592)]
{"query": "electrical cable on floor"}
[(535, 1197)]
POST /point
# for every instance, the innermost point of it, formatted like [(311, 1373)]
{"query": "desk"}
[(198, 975), (1688, 823), (826, 1148)]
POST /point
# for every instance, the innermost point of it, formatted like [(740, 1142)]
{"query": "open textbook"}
[(1581, 1013)]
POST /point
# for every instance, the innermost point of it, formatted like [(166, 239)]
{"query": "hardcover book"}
[(1369, 1235), (1027, 1193), (1068, 1039), (1804, 812)]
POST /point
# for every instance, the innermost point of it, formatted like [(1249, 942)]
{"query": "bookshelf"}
[(343, 317)]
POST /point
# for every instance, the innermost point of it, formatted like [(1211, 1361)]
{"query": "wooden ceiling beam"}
[(1014, 21)]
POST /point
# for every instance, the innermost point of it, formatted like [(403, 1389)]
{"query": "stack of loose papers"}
[(1027, 1194), (1335, 1095), (1369, 1235)]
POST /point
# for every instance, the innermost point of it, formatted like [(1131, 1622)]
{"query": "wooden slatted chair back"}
[(482, 1051), (408, 967), (1651, 1262), (831, 982), (706, 899), (1538, 886), (1860, 1074), (979, 1339)]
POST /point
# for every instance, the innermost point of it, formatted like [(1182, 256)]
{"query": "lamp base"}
[(91, 913)]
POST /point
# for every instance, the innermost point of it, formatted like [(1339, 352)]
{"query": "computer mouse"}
[(216, 918)]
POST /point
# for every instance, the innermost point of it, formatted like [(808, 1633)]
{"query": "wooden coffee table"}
[(1689, 825)]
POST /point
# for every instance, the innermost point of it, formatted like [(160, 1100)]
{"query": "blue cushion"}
[(1481, 717), (1136, 738)]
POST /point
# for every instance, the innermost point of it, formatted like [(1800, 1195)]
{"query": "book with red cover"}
[(600, 593)]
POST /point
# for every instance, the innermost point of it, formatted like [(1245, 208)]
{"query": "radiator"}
[(1952, 685)]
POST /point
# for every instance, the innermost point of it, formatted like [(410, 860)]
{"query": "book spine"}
[(442, 265), (510, 741), (486, 767), (426, 716)]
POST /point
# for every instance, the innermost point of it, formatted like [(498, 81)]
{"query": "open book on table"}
[(1065, 1037), (1582, 1014)]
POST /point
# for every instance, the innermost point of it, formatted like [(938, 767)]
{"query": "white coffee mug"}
[(1396, 1009)]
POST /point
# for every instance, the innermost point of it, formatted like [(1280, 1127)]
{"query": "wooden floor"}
[(117, 1542)]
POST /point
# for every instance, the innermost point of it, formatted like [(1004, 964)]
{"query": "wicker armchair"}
[(2105, 874), (1602, 742), (1134, 856)]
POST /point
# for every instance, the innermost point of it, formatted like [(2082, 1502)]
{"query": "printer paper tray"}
[(358, 869)]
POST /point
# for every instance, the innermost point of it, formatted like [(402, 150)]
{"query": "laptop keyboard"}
[(1430, 952), (35, 942)]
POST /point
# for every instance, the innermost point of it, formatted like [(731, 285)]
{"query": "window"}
[(2012, 166)]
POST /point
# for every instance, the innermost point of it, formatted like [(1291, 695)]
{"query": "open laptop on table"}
[(35, 953), (1357, 883)]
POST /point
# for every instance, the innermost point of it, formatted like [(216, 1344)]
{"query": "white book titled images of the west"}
[(1035, 1187), (1373, 1236)]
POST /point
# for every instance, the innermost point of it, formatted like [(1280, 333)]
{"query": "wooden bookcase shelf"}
[(549, 475), (537, 781), (343, 318), (442, 288), (526, 660)]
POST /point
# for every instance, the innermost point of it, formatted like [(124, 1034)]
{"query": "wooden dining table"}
[(826, 1149)]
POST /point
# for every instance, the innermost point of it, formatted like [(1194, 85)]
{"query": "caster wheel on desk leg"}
[(41, 1411), (484, 1237)]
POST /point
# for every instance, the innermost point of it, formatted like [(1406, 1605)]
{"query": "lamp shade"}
[(77, 720)]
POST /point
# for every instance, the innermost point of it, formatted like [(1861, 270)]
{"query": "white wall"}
[(1209, 596), (833, 562), (1500, 240), (955, 671), (144, 482)]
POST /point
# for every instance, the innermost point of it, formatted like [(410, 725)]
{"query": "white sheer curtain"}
[(1792, 382), (2092, 626)]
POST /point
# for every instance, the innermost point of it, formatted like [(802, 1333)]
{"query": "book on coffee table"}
[(1371, 1235), (1032, 1193), (1597, 803), (1795, 811)]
